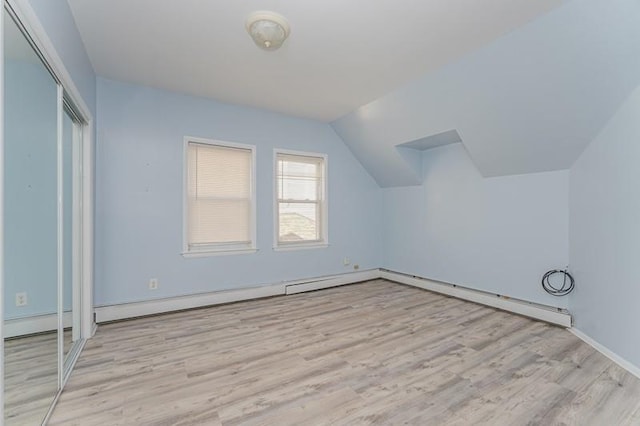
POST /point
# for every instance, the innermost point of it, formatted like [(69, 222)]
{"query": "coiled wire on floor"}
[(552, 285)]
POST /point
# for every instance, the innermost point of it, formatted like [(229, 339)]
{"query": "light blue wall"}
[(605, 234), (139, 196), (30, 213), (494, 234), (59, 24)]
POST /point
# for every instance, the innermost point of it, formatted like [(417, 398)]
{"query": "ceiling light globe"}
[(267, 29)]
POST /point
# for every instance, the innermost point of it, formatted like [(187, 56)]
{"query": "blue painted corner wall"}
[(605, 234), (496, 234), (139, 196)]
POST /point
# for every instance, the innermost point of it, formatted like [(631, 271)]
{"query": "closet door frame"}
[(22, 12), (67, 360)]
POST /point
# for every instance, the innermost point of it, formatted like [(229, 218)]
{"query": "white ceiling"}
[(340, 55)]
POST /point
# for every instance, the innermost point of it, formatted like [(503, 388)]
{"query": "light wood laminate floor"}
[(31, 378), (370, 353)]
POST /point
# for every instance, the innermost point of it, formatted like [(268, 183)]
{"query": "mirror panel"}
[(31, 239), (67, 226)]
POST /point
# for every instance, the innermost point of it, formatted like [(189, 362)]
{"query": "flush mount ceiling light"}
[(268, 29)]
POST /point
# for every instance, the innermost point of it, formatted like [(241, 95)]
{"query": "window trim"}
[(324, 204), (223, 249)]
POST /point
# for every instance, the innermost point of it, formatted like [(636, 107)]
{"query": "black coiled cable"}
[(566, 288)]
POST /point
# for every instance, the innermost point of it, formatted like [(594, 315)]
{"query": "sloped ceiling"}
[(340, 55), (528, 102)]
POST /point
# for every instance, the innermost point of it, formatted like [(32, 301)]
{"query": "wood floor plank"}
[(31, 377), (369, 353)]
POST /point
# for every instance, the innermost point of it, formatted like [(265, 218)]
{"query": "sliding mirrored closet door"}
[(71, 235), (30, 231), (42, 221)]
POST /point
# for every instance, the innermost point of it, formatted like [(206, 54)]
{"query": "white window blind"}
[(219, 197), (300, 199)]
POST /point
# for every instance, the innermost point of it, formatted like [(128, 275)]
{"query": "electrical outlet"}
[(346, 261), (153, 284), (21, 299)]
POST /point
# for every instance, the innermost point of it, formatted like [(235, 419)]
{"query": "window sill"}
[(210, 253), (301, 246)]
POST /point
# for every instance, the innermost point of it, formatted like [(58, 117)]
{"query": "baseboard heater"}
[(171, 304), (301, 286), (158, 306), (549, 314)]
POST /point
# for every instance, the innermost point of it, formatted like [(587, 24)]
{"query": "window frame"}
[(222, 248), (323, 205)]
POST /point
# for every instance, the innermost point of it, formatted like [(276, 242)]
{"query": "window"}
[(300, 204), (219, 197)]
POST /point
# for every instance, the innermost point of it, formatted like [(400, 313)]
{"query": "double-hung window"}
[(300, 200), (219, 197)]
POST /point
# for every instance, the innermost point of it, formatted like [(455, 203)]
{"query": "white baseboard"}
[(331, 281), (631, 368), (151, 307), (533, 310), (36, 324), (159, 306)]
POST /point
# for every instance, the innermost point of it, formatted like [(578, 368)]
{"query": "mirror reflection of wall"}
[(31, 240)]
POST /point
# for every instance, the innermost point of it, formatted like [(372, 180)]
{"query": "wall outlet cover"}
[(21, 299), (153, 284)]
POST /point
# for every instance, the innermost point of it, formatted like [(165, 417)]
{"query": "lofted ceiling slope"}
[(340, 55), (528, 102)]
